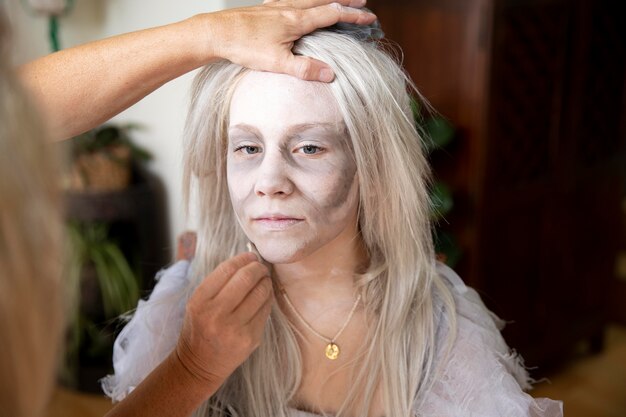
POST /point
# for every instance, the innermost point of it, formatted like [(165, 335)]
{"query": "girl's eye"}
[(248, 149), (310, 149)]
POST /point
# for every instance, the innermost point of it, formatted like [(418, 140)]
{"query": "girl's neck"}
[(324, 280)]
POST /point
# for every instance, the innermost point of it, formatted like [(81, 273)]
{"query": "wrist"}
[(204, 387), (203, 30)]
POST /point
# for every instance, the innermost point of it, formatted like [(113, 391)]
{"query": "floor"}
[(66, 403), (591, 386)]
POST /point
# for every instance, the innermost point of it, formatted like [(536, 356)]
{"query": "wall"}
[(164, 111)]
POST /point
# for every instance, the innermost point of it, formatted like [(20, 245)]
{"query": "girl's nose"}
[(273, 176)]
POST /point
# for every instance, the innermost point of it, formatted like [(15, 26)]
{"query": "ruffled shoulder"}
[(151, 333), (481, 376)]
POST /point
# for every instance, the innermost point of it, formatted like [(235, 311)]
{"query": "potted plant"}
[(101, 159)]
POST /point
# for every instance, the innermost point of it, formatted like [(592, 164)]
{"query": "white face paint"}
[(291, 173)]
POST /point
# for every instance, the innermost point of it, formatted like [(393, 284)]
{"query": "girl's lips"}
[(277, 223)]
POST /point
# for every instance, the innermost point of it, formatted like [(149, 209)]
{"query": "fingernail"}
[(326, 75), (251, 248)]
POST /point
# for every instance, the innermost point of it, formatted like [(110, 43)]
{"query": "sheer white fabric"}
[(482, 377), (151, 334)]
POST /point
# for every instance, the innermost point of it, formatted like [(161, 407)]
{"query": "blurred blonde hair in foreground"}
[(30, 249)]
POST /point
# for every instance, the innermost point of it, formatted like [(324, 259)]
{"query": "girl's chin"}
[(283, 253), (278, 258)]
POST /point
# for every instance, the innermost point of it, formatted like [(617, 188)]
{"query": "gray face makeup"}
[(291, 173)]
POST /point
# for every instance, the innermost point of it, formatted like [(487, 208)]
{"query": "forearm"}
[(170, 390), (198, 367), (79, 88)]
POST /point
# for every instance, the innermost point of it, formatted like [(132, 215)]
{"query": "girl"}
[(330, 184)]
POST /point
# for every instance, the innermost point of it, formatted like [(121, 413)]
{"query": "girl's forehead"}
[(269, 100)]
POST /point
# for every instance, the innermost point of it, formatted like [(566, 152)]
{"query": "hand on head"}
[(262, 37)]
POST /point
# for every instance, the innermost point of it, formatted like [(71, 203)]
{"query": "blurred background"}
[(535, 92), (528, 148)]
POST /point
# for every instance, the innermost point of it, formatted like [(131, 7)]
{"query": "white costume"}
[(482, 376)]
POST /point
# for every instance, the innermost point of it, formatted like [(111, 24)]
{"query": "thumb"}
[(309, 69)]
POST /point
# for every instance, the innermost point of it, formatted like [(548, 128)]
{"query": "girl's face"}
[(291, 173)]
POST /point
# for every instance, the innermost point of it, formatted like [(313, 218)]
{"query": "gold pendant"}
[(332, 351)]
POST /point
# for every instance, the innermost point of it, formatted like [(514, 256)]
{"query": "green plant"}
[(91, 248), (118, 283), (102, 159), (105, 138), (438, 133)]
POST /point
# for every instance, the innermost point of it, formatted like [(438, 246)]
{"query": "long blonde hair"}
[(30, 231), (400, 286)]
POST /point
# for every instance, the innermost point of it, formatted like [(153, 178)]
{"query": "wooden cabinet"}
[(536, 89)]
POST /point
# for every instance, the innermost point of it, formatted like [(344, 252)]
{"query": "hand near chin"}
[(225, 318), (262, 37)]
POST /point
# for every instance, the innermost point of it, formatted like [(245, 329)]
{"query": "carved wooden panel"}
[(528, 62), (597, 88), (537, 91)]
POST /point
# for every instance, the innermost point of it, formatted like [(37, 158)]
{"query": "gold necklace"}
[(332, 349)]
